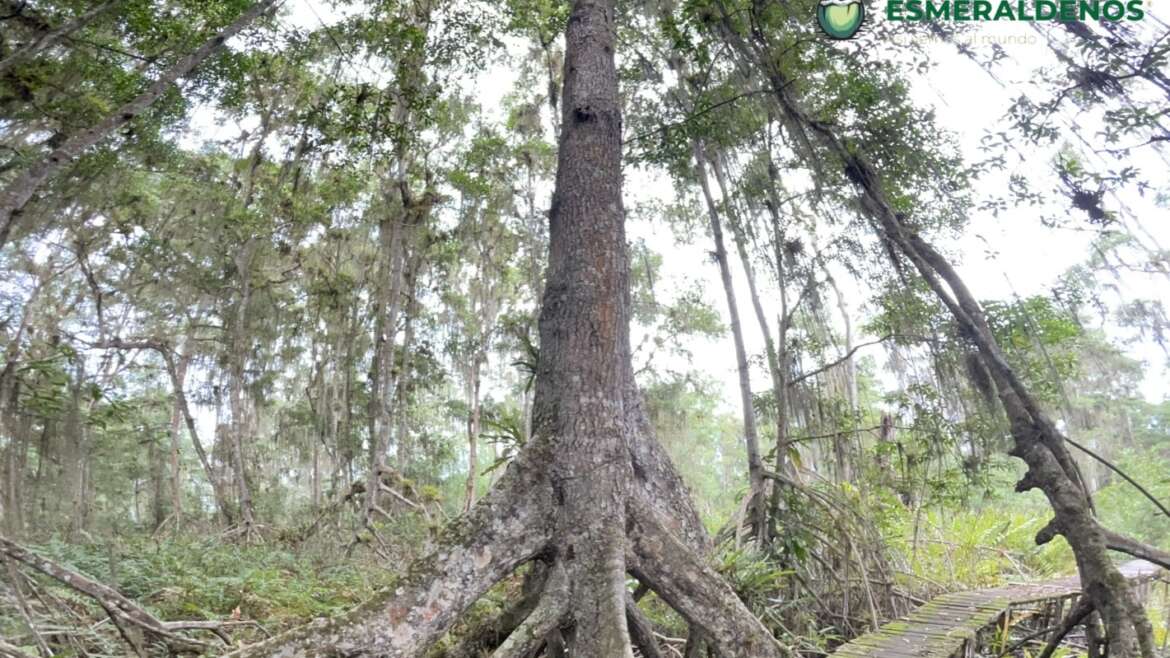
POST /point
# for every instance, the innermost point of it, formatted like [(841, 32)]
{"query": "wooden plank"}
[(943, 627)]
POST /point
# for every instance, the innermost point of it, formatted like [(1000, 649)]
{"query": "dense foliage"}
[(273, 330)]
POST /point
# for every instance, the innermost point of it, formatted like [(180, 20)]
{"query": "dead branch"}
[(9, 651), (130, 618)]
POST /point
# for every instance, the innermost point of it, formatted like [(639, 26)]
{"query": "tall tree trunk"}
[(11, 498), (238, 358), (393, 245), (757, 514), (473, 431), (158, 507), (16, 195), (782, 381), (74, 458), (413, 308), (777, 356), (593, 491), (844, 465), (584, 338), (176, 456), (178, 374), (10, 426), (40, 510), (345, 448)]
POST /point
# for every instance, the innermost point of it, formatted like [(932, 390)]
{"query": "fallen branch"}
[(22, 604), (9, 651), (124, 613)]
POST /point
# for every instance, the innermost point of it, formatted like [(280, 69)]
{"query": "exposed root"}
[(487, 636), (690, 586), (641, 630), (549, 614), (508, 527)]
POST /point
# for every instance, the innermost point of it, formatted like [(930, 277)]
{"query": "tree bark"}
[(176, 455), (13, 499), (158, 507), (16, 195), (403, 444), (75, 456), (584, 338)]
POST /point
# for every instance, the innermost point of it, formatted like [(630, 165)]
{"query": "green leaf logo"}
[(840, 19)]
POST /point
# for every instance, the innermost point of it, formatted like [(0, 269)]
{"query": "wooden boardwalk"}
[(956, 625)]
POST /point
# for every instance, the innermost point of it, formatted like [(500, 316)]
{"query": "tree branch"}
[(832, 364), (120, 608), (1115, 469), (1117, 542)]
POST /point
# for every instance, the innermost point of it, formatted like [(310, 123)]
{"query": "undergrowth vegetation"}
[(191, 578)]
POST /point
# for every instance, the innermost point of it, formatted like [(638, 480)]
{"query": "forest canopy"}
[(590, 328)]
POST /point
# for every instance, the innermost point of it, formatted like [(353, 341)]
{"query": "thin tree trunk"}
[(178, 373), (386, 307), (345, 451), (74, 458), (15, 457), (413, 308), (158, 507), (21, 190), (783, 461), (9, 389), (757, 514), (176, 456), (778, 374), (238, 360), (844, 465), (473, 430)]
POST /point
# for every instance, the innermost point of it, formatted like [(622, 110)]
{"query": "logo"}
[(840, 19), (1015, 10)]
